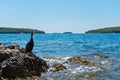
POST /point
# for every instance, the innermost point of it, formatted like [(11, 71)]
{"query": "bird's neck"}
[(31, 39), (31, 35)]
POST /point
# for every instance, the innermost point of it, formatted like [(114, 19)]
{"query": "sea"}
[(57, 48)]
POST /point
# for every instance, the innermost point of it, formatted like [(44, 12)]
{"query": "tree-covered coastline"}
[(105, 30), (19, 30)]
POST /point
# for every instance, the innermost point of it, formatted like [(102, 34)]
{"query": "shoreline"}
[(84, 66)]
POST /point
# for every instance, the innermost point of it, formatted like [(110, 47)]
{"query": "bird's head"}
[(32, 33)]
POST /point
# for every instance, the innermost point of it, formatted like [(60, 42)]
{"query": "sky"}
[(54, 16)]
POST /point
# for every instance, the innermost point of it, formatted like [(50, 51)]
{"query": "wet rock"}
[(2, 47), (23, 66), (7, 53), (100, 55), (4, 56), (81, 61), (22, 50), (14, 46), (103, 56), (57, 67), (10, 51), (15, 63), (0, 43), (0, 70)]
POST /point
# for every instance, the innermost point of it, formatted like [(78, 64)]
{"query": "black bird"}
[(30, 44)]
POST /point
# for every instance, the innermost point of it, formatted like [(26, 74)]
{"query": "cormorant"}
[(30, 44)]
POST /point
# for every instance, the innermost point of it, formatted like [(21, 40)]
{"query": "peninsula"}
[(105, 30), (19, 30)]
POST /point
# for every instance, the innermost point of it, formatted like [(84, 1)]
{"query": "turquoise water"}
[(59, 47), (67, 44)]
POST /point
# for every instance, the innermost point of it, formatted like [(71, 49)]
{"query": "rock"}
[(1, 78), (7, 53), (57, 67), (22, 50), (0, 70), (2, 47), (15, 63), (4, 56), (0, 43), (81, 61), (14, 46), (10, 51), (100, 55), (27, 66), (103, 56)]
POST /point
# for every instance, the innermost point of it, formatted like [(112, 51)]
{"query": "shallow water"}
[(57, 48)]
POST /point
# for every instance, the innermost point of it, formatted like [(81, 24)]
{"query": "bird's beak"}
[(33, 32)]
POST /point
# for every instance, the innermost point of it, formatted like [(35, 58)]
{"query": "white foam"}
[(105, 62), (71, 67), (81, 69), (56, 59), (66, 58)]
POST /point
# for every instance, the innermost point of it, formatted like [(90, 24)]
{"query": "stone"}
[(81, 61), (15, 63), (57, 67), (0, 70), (14, 46), (2, 47), (100, 55), (0, 43), (23, 66)]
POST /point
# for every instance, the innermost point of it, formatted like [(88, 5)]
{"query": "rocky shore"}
[(14, 63)]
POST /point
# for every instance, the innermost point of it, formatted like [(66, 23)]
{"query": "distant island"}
[(106, 30), (67, 32), (19, 30)]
